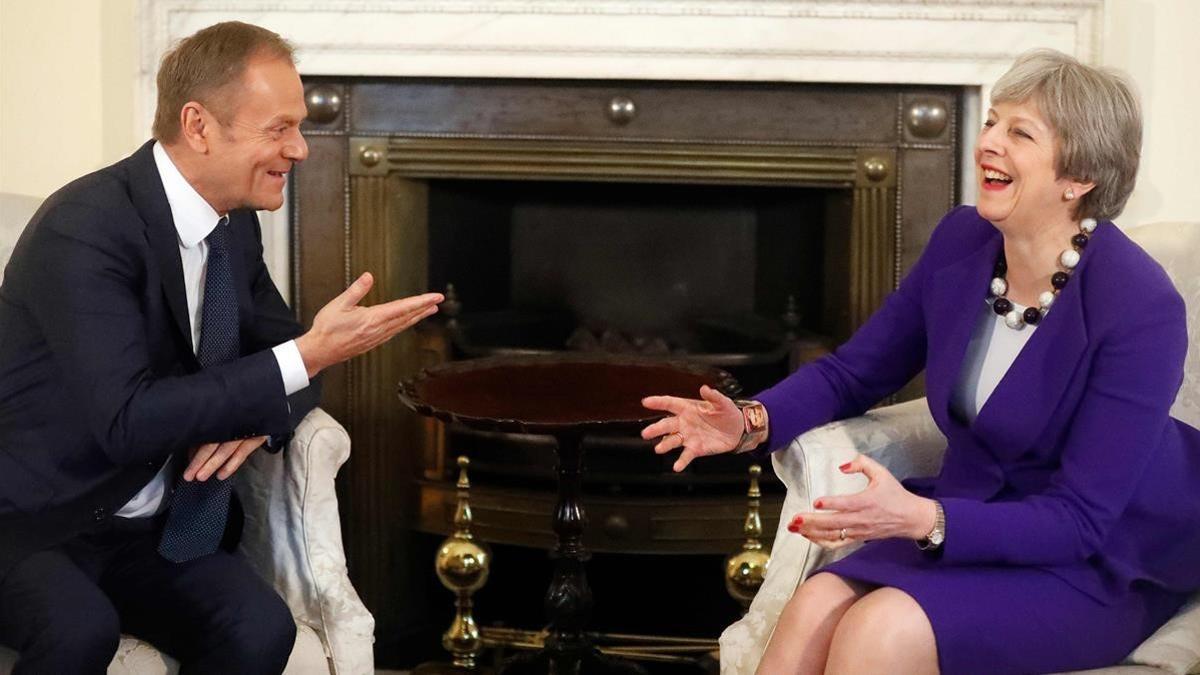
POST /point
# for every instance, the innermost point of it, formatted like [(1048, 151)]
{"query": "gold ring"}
[(676, 433), (842, 534)]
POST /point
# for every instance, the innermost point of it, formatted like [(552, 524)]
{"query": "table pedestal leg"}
[(569, 650)]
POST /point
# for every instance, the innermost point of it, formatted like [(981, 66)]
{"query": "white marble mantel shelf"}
[(925, 41)]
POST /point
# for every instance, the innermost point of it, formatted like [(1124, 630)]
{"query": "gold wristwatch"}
[(754, 422), (937, 535)]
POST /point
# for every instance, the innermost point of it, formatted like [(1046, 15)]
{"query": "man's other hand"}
[(343, 329), (221, 459)]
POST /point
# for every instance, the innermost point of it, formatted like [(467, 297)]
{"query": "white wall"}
[(67, 72), (68, 67), (1158, 43)]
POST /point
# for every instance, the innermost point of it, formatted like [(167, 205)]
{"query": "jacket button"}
[(99, 513)]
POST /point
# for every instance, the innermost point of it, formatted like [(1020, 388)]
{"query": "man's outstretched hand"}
[(343, 329)]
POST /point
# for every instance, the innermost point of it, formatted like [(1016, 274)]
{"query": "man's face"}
[(251, 153)]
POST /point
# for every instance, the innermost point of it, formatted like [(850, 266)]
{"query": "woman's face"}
[(1014, 165)]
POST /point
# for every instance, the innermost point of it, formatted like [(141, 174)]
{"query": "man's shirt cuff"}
[(291, 367)]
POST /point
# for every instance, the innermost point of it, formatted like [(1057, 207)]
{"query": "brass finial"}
[(451, 307), (462, 513), (462, 566), (744, 570), (791, 317)]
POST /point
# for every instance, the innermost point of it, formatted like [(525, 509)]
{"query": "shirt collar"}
[(194, 217)]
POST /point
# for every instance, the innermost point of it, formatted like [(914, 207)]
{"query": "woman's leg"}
[(884, 632), (800, 643)]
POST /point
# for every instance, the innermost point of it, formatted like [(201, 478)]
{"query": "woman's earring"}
[(1069, 194)]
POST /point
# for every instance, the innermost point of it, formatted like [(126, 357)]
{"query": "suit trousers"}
[(63, 609)]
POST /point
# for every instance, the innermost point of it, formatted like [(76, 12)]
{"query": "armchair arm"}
[(293, 538), (902, 437)]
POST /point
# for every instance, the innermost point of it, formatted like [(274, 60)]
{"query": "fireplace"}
[(748, 226), (942, 55)]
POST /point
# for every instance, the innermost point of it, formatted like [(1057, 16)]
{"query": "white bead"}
[(1088, 225), (999, 287), (1014, 320), (1046, 299), (1069, 259)]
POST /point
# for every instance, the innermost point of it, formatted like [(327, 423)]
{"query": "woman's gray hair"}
[(1096, 115)]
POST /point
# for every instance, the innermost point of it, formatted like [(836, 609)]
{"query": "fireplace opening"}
[(727, 275), (653, 262), (746, 278)]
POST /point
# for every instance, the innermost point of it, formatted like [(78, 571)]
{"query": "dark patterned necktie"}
[(196, 518)]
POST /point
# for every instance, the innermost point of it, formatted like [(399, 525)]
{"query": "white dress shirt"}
[(194, 220)]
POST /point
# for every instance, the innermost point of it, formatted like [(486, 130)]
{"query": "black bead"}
[(1059, 280), (1000, 269), (1080, 240), (1002, 306), (1032, 315)]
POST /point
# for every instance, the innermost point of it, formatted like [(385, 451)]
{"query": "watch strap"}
[(936, 536)]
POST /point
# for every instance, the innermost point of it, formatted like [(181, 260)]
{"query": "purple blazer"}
[(1074, 464)]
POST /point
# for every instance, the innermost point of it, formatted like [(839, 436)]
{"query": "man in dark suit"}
[(144, 354)]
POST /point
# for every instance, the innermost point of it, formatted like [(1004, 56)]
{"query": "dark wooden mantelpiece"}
[(360, 203)]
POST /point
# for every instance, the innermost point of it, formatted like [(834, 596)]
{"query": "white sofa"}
[(292, 537), (904, 438)]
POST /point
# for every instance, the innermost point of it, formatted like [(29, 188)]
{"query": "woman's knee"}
[(826, 591), (820, 601), (890, 621)]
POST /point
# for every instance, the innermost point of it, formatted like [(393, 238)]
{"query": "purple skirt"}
[(993, 619)]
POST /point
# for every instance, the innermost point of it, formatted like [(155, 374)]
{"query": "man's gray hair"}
[(204, 64), (1096, 115)]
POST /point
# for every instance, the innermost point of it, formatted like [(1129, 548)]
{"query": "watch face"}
[(937, 537), (755, 417)]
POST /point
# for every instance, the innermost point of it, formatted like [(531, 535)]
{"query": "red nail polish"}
[(844, 466), (817, 504), (798, 521), (793, 528)]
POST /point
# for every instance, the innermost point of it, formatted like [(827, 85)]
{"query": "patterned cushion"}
[(135, 657), (293, 537), (1175, 648), (15, 212), (1176, 246)]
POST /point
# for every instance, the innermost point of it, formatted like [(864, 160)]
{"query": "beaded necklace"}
[(1067, 260)]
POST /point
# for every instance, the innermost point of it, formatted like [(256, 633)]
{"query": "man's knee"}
[(56, 618), (82, 639), (263, 635)]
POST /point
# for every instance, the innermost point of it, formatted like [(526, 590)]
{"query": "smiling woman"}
[(1056, 535)]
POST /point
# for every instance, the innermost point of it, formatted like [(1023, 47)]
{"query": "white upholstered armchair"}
[(292, 538), (904, 438)]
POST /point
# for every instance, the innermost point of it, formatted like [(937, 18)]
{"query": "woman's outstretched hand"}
[(709, 425), (884, 510)]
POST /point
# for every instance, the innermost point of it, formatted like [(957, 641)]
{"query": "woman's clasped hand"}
[(885, 509)]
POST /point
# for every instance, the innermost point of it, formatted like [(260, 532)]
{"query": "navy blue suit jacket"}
[(99, 383)]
